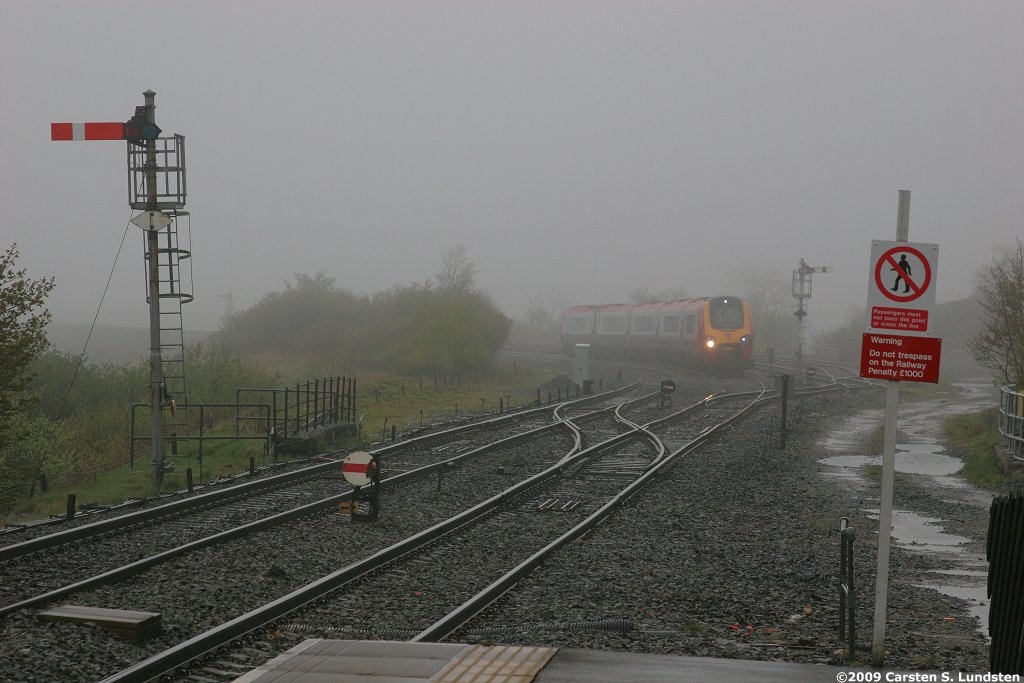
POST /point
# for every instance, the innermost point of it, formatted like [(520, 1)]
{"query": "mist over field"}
[(579, 150)]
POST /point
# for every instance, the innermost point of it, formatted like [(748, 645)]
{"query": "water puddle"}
[(918, 458), (921, 534), (918, 453)]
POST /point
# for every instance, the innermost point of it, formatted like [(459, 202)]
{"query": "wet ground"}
[(922, 460)]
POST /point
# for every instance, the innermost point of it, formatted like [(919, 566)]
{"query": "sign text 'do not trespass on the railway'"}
[(899, 358)]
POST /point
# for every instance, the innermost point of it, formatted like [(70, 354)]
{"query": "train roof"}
[(672, 304)]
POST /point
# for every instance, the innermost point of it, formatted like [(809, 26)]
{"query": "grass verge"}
[(978, 433), (383, 404)]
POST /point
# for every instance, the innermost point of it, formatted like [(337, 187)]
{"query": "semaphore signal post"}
[(156, 183)]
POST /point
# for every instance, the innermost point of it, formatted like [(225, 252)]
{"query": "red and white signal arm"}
[(96, 130), (357, 468), (901, 287)]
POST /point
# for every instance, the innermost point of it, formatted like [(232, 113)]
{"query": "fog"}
[(581, 149)]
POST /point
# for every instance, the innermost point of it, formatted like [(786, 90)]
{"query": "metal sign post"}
[(918, 288)]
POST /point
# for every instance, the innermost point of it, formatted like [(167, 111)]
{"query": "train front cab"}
[(729, 339)]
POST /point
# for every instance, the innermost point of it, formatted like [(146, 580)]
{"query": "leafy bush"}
[(406, 329)]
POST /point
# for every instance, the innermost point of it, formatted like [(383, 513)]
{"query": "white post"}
[(892, 400)]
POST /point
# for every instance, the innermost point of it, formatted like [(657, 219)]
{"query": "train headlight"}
[(710, 342), (745, 339)]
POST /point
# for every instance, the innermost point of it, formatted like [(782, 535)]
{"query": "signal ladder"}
[(175, 285)]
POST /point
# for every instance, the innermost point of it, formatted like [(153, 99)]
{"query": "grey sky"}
[(583, 148)]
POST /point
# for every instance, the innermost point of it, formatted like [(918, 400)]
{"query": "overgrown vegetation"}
[(447, 327), (78, 426), (385, 403), (978, 433), (23, 322), (1000, 344), (440, 336)]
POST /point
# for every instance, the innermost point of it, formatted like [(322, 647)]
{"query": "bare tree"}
[(644, 295), (544, 308), (1000, 344), (457, 272), (770, 298)]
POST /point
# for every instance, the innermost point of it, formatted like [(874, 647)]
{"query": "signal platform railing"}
[(1011, 421)]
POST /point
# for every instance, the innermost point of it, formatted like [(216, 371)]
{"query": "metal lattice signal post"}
[(801, 291), (156, 380), (157, 186)]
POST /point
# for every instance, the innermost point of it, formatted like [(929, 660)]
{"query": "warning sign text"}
[(905, 319)]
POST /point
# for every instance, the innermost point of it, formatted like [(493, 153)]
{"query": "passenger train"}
[(714, 333)]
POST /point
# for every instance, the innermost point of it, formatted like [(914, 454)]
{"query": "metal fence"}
[(268, 415), (298, 410), (1005, 588), (1011, 421), (202, 422)]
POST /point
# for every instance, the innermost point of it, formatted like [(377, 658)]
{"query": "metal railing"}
[(305, 407), (204, 423), (1011, 420), (269, 415)]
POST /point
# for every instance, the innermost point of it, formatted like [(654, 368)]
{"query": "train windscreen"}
[(726, 313)]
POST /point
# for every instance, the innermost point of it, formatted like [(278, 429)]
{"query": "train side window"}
[(691, 323), (670, 325), (613, 325)]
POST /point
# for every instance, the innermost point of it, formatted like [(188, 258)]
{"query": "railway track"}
[(622, 450), (63, 563), (356, 595)]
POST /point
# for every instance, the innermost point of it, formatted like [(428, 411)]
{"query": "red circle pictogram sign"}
[(903, 274)]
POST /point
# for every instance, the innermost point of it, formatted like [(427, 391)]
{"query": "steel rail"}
[(458, 617), (196, 647), (204, 500), (285, 517)]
